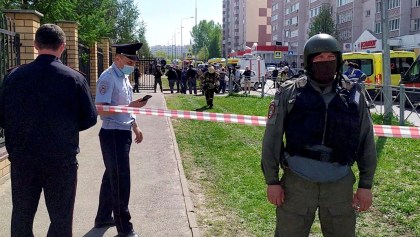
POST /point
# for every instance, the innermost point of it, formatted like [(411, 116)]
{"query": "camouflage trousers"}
[(303, 198)]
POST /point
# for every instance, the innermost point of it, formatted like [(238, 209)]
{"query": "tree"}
[(203, 54), (209, 35), (126, 29), (215, 44), (94, 24), (323, 23), (160, 54), (145, 49), (115, 19)]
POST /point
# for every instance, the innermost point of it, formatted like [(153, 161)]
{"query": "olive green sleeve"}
[(367, 159), (273, 138)]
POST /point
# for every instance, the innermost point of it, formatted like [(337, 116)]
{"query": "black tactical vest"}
[(312, 122)]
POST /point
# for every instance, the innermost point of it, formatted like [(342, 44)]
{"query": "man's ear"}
[(36, 45)]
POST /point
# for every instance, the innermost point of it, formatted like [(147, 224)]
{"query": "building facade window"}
[(345, 17), (394, 24), (393, 4), (314, 12), (378, 27), (312, 1), (416, 3), (415, 24), (344, 35), (294, 33), (343, 2), (274, 17), (275, 7), (367, 13), (275, 37), (378, 7)]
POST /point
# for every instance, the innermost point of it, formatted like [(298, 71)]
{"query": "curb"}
[(189, 206)]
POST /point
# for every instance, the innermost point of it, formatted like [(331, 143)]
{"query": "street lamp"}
[(181, 32)]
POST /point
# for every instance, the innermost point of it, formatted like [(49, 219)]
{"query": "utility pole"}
[(386, 62)]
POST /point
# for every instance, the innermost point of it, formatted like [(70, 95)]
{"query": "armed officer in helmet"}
[(327, 128)]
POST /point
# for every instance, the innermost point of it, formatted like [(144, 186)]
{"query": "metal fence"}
[(405, 100), (100, 59), (9, 52), (84, 61)]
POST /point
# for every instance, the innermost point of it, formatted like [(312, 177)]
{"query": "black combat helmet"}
[(321, 43)]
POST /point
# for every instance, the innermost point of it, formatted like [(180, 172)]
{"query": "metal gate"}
[(9, 52), (147, 67)]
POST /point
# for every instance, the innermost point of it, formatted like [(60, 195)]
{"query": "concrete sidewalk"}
[(160, 204)]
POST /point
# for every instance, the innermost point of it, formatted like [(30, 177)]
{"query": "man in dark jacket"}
[(42, 122), (158, 78), (179, 76), (192, 82), (172, 78)]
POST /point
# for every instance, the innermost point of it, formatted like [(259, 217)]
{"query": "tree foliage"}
[(115, 19), (207, 36), (203, 54), (161, 54), (323, 23)]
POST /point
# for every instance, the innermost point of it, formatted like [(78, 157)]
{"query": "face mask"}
[(127, 70), (324, 72)]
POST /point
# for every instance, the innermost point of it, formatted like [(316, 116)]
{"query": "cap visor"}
[(132, 57)]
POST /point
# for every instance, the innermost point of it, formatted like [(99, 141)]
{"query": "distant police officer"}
[(43, 107), (113, 88), (327, 129)]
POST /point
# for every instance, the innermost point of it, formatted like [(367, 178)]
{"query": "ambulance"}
[(254, 64), (371, 65), (411, 79)]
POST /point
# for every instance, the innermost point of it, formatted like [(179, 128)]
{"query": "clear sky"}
[(163, 18)]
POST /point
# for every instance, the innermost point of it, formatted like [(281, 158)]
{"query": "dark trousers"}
[(136, 86), (158, 81), (184, 86), (177, 85), (222, 86), (59, 185), (209, 96), (171, 85), (192, 85), (115, 188)]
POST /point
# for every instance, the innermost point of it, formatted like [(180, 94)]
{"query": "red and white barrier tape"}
[(379, 130)]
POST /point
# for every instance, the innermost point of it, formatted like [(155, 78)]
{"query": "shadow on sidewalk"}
[(96, 232)]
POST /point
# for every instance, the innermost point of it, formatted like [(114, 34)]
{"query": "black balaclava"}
[(323, 72)]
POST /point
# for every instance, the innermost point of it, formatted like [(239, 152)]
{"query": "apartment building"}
[(358, 24), (245, 22), (171, 50)]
